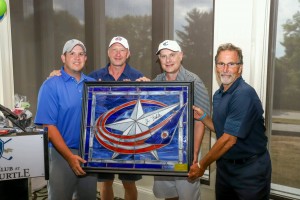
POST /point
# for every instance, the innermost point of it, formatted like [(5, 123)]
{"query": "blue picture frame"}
[(137, 127)]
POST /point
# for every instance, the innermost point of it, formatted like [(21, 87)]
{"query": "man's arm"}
[(55, 72), (206, 119), (199, 130), (223, 144), (74, 160)]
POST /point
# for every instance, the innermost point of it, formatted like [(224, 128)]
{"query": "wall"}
[(245, 24)]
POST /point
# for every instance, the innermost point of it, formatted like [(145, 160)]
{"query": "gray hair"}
[(229, 47)]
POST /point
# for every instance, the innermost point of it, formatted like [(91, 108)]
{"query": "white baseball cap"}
[(169, 44), (121, 40), (71, 44)]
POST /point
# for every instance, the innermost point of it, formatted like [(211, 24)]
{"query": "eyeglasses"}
[(165, 57), (230, 64)]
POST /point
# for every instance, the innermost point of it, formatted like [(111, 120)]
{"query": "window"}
[(193, 25), (284, 99)]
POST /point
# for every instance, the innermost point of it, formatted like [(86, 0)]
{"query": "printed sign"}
[(22, 156)]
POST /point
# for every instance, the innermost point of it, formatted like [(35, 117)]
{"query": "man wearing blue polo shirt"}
[(243, 161), (59, 109)]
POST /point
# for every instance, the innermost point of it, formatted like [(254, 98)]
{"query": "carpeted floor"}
[(42, 195)]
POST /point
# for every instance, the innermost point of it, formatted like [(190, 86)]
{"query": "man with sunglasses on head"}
[(243, 161)]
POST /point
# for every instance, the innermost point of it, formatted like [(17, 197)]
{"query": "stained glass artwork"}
[(137, 127)]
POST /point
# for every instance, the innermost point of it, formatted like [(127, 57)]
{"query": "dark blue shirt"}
[(129, 74), (239, 112)]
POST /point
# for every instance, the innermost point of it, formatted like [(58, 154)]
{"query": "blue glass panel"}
[(137, 127)]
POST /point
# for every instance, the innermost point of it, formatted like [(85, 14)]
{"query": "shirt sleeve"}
[(47, 106), (201, 98)]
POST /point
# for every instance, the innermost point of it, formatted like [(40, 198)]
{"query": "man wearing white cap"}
[(116, 70), (59, 109), (170, 58)]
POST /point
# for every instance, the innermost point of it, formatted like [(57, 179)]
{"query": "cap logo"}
[(166, 43), (121, 40), (118, 39)]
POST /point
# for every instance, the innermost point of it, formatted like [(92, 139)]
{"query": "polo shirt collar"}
[(180, 75), (67, 77), (125, 73)]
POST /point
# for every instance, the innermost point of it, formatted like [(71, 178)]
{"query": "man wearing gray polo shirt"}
[(170, 57)]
